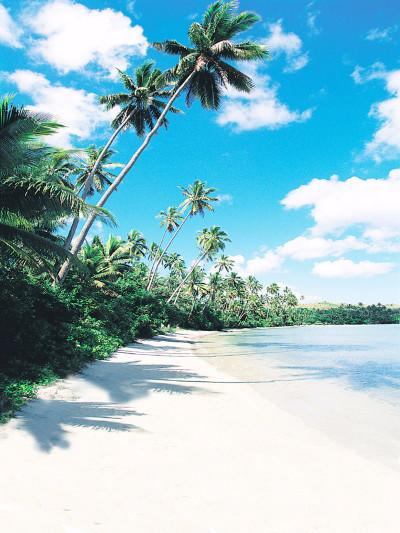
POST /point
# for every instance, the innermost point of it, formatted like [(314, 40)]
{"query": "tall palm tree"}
[(170, 220), (224, 263), (210, 241), (198, 200), (202, 71), (92, 176)]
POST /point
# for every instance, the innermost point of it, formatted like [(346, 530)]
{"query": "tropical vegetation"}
[(68, 296)]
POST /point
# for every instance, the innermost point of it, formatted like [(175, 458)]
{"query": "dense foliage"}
[(348, 314)]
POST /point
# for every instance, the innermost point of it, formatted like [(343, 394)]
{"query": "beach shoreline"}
[(156, 439)]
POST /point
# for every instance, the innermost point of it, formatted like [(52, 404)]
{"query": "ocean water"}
[(341, 380)]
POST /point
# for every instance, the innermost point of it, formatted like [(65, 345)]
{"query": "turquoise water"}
[(342, 380)]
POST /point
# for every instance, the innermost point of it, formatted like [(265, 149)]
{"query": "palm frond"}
[(173, 47)]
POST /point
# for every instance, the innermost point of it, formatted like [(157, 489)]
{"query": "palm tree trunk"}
[(90, 220), (151, 281), (89, 181), (176, 292), (159, 248)]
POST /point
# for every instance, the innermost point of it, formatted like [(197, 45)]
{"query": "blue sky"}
[(305, 165)]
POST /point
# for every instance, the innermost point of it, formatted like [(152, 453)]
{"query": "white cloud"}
[(345, 268), (10, 33), (269, 261), (381, 34), (311, 20), (385, 143), (260, 108), (302, 248), (225, 199), (289, 44), (75, 108), (372, 204), (71, 37)]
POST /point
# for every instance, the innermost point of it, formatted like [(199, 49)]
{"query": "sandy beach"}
[(157, 440)]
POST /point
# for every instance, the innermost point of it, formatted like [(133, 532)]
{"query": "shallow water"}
[(342, 380)]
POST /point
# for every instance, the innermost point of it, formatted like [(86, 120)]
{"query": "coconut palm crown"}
[(102, 175), (212, 44), (143, 101)]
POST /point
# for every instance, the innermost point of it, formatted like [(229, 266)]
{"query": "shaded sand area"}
[(157, 440)]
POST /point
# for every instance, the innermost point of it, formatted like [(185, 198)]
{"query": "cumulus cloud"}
[(10, 33), (385, 144), (288, 44), (368, 207), (345, 268), (302, 248), (70, 37), (336, 205), (268, 261), (77, 109), (260, 108)]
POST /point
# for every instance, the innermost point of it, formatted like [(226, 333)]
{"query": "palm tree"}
[(143, 100), (101, 177), (170, 219), (196, 286), (136, 244), (92, 175), (153, 251), (202, 71), (253, 286), (106, 262), (215, 284), (175, 263), (236, 288), (35, 194), (224, 263), (198, 200), (210, 241)]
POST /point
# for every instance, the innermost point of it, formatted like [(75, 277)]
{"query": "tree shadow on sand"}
[(47, 420)]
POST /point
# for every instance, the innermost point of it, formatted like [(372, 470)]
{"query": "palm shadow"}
[(45, 420), (124, 381)]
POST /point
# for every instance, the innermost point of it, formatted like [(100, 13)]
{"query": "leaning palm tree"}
[(198, 200), (210, 242), (170, 219), (92, 176), (138, 107), (203, 72)]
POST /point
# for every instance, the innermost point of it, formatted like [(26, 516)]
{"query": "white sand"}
[(156, 440)]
